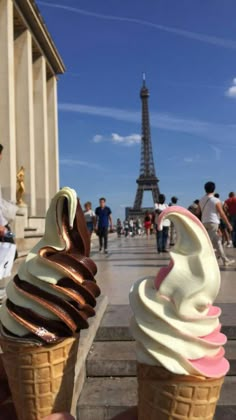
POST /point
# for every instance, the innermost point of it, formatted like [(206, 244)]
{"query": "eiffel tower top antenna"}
[(144, 80)]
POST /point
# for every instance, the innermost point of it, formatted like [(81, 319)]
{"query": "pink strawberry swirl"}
[(175, 323)]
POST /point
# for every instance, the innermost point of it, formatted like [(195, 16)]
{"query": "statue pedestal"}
[(23, 211), (18, 226)]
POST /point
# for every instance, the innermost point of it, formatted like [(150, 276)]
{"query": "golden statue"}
[(20, 186)]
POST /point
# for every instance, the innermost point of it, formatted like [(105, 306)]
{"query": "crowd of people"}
[(147, 225), (218, 218)]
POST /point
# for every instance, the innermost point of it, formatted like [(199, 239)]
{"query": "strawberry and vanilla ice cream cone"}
[(179, 345), (48, 302)]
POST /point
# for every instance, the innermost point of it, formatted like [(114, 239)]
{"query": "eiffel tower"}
[(147, 180)]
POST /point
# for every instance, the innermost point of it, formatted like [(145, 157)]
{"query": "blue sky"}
[(188, 51)]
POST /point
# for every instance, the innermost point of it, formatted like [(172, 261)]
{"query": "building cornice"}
[(33, 20)]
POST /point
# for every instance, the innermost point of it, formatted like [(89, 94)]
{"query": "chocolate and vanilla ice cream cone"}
[(48, 302), (179, 345)]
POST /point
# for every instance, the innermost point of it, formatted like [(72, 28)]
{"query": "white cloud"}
[(116, 138), (97, 138), (231, 91), (194, 159), (197, 158), (213, 40), (217, 152), (126, 140), (77, 162), (188, 160), (216, 133)]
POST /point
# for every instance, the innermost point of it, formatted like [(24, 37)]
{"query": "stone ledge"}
[(86, 340)]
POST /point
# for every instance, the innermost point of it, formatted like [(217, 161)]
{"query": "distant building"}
[(28, 104)]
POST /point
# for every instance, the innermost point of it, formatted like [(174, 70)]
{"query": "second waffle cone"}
[(163, 395)]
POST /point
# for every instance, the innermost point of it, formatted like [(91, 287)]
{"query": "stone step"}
[(118, 358), (115, 324), (33, 234), (116, 320), (112, 358), (103, 398)]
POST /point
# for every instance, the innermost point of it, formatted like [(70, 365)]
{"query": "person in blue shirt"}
[(103, 215)]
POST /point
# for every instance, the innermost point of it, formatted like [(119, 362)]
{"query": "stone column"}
[(41, 136), (7, 101), (25, 155), (52, 136)]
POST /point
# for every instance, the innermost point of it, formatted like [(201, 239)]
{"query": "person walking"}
[(173, 202), (6, 234), (194, 208), (223, 231), (90, 217), (211, 211), (131, 226), (147, 223), (104, 218), (161, 235), (230, 207), (126, 228), (138, 226), (119, 228)]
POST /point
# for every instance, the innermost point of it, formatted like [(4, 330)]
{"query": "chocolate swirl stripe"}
[(86, 262), (92, 287), (74, 318), (45, 329), (82, 293), (74, 265)]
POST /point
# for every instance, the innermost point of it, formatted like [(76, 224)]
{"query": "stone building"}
[(29, 66)]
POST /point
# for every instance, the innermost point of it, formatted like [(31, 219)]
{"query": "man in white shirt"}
[(161, 235), (212, 211)]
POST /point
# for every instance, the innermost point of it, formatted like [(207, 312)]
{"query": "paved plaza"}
[(132, 258)]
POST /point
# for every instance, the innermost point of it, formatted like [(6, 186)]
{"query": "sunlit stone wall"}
[(28, 104)]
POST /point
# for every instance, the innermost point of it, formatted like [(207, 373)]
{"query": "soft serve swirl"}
[(174, 323), (55, 291)]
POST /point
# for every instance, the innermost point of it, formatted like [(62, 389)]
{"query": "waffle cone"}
[(41, 378), (163, 395)]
